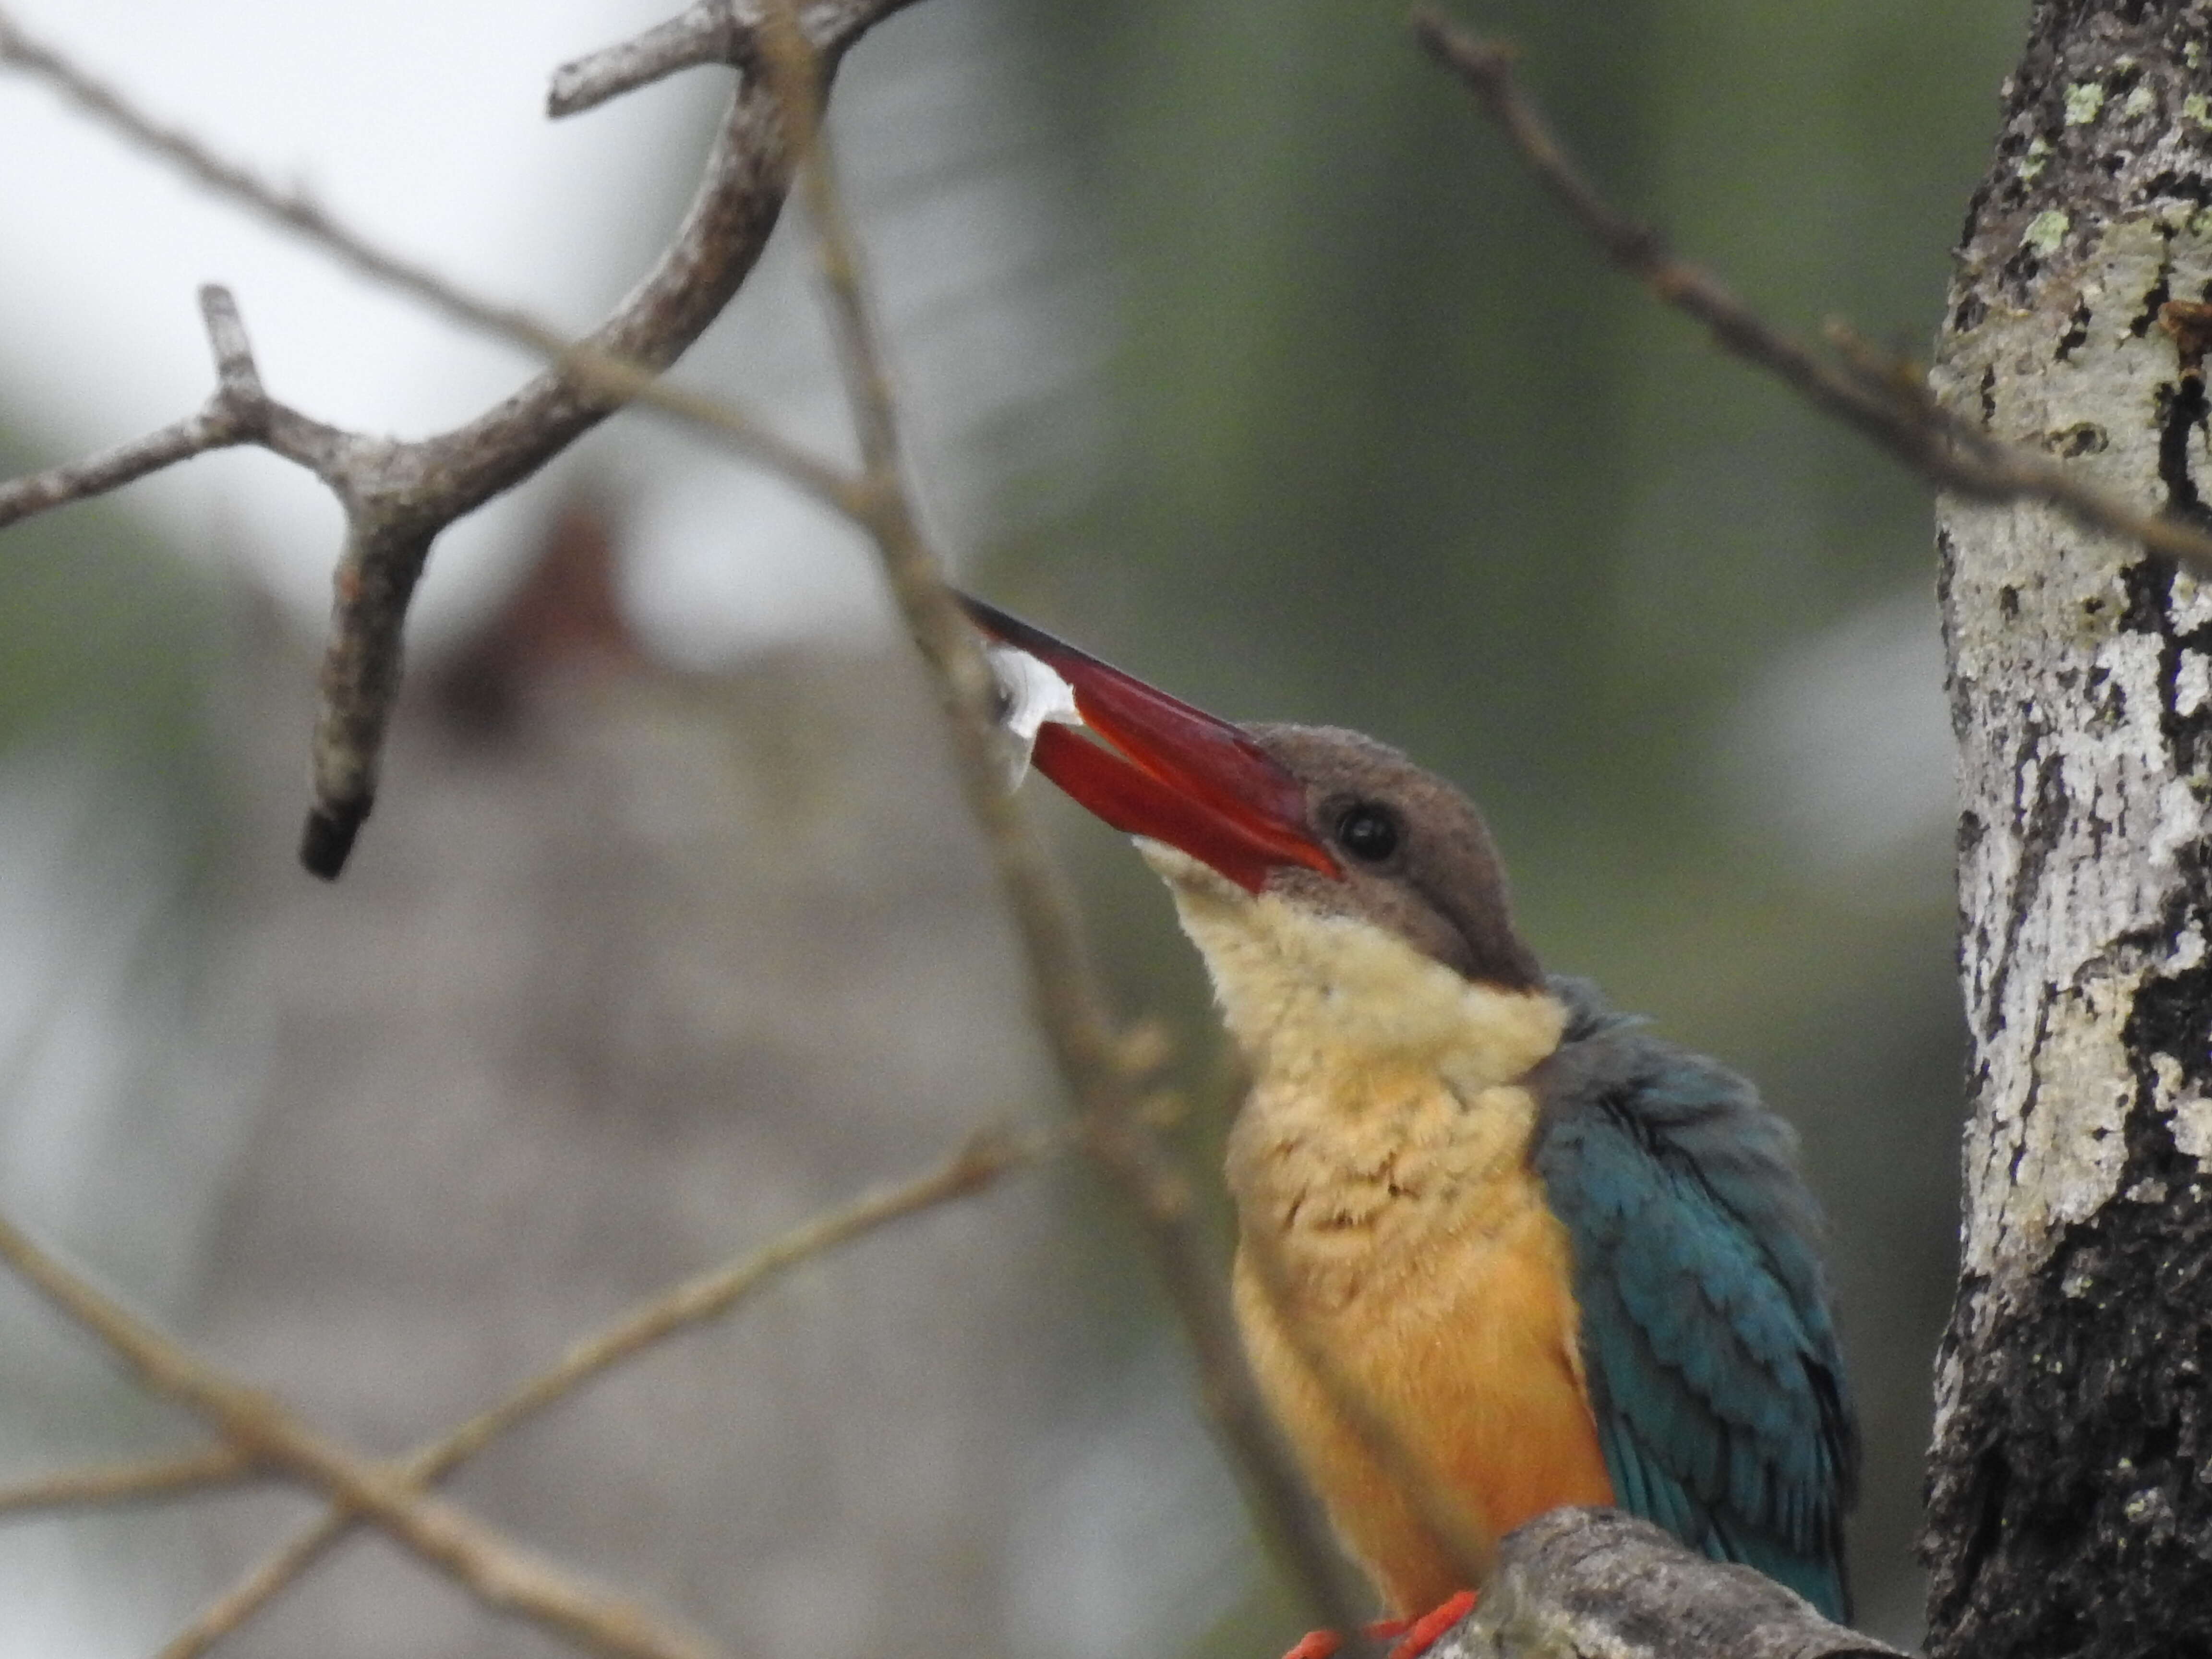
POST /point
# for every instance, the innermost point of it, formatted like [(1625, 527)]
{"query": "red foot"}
[(1417, 1635)]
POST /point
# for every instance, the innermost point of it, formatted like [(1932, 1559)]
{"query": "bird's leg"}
[(1416, 1635)]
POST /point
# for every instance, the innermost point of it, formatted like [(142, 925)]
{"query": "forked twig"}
[(398, 496)]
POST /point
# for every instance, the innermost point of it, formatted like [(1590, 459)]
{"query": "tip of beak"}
[(1174, 772)]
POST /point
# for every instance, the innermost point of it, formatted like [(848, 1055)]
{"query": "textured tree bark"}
[(1582, 1584), (2070, 1504)]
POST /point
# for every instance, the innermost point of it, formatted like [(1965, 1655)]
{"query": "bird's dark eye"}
[(1369, 833)]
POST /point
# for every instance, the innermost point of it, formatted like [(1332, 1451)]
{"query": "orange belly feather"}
[(1456, 1325)]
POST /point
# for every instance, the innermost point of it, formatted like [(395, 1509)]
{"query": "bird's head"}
[(1330, 883)]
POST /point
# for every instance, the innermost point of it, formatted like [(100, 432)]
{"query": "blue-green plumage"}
[(1713, 1369)]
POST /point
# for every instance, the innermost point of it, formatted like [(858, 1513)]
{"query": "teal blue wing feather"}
[(1713, 1368)]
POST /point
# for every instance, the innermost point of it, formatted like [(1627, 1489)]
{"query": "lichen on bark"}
[(2066, 1513)]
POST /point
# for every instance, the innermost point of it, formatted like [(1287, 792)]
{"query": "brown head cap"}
[(1416, 858)]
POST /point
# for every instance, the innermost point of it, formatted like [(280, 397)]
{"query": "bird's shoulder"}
[(1714, 1368), (1654, 1107)]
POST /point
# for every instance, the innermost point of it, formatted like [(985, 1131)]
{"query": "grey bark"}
[(1580, 1584), (2069, 1510)]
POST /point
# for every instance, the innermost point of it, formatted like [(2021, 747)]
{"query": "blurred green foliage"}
[(107, 637)]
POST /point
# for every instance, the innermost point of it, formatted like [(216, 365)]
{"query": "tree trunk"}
[(2070, 1504)]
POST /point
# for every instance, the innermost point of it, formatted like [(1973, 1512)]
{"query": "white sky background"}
[(422, 124), (1841, 749)]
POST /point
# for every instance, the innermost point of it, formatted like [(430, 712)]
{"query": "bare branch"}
[(1078, 1023), (501, 1575), (1599, 1581), (797, 69), (707, 34), (1879, 397), (984, 1160), (711, 31), (128, 1483), (399, 495), (267, 1580)]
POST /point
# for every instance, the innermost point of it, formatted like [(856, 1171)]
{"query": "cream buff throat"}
[(1303, 992)]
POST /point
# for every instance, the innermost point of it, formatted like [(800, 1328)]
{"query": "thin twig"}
[(706, 33), (502, 1576), (238, 411), (110, 469), (977, 1164), (982, 1162), (1879, 398), (137, 1482), (1070, 1005)]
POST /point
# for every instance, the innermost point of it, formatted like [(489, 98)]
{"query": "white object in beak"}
[(1030, 694)]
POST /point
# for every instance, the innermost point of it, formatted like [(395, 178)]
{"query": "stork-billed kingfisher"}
[(1559, 1259)]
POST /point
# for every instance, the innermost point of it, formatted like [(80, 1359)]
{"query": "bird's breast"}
[(1378, 1182), (1396, 1245)]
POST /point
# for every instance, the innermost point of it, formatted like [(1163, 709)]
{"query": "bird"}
[(1500, 1248)]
